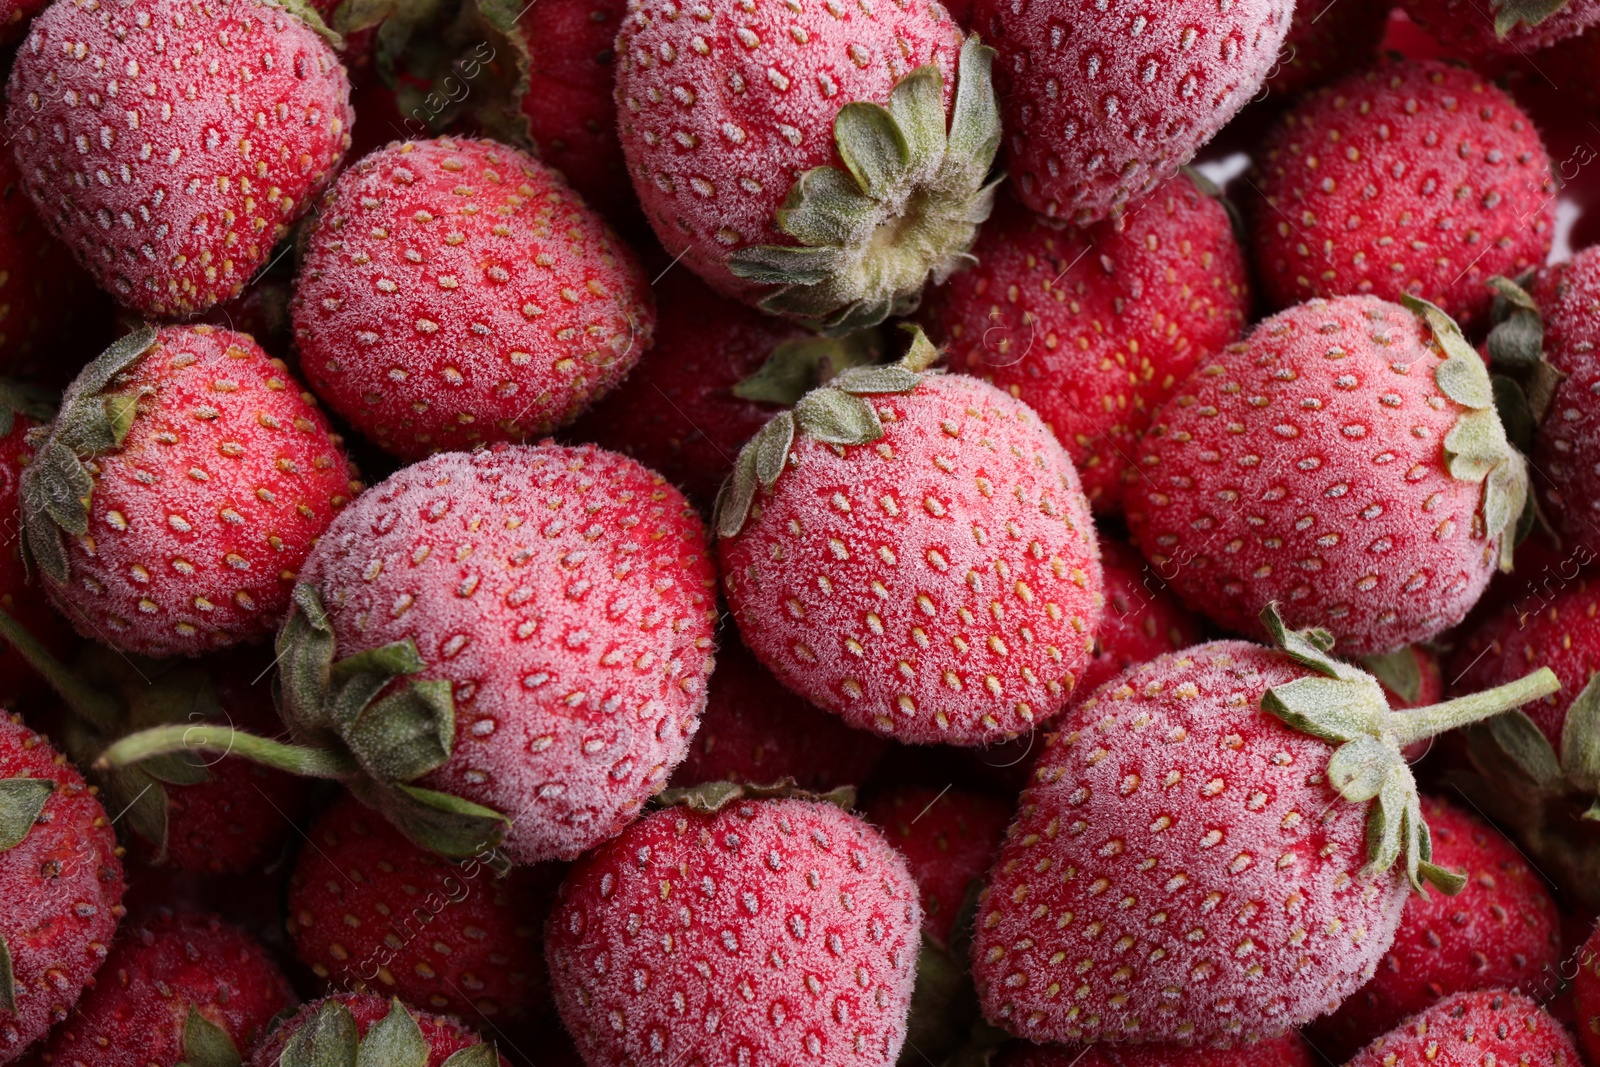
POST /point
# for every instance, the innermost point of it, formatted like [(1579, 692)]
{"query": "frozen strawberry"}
[(1491, 1027), (913, 551), (1502, 931), (1143, 618), (1093, 328), (178, 989), (508, 643), (1219, 848), (755, 731), (1102, 109), (371, 912), (1287, 1051), (822, 161), (358, 1029), (172, 179), (177, 493), (1347, 460), (454, 293), (61, 880), (1507, 27), (1408, 178), (801, 949), (1326, 40), (1586, 995), (680, 412), (948, 839)]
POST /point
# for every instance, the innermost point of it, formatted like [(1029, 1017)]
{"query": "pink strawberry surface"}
[(173, 178), (1472, 30), (1567, 450), (566, 595), (1180, 868), (781, 931), (1417, 178), (459, 292), (1495, 1026), (1306, 465), (1102, 105), (1093, 328), (719, 113), (939, 585)]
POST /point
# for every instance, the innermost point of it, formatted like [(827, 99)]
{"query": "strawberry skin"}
[(455, 293), (62, 884), (1464, 28), (1417, 178), (1093, 328), (1287, 1051), (176, 179), (1494, 1026), (1180, 868), (1307, 465), (1502, 931), (442, 1036), (1567, 449), (1143, 618), (677, 413), (939, 585), (160, 972), (1100, 110), (948, 839), (781, 931), (567, 597), (371, 912), (757, 732), (199, 520)]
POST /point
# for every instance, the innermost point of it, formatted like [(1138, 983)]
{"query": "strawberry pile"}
[(807, 534)]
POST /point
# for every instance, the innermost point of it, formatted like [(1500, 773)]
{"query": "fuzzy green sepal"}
[(329, 1039), (1345, 706), (708, 798), (1509, 14), (906, 206), (205, 1044), (796, 367), (1477, 449)]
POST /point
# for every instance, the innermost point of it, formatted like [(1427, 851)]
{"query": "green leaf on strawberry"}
[(476, 1056), (394, 1041), (205, 1044), (796, 367), (1509, 14)]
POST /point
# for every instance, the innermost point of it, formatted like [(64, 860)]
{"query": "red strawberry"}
[(912, 551), (1143, 618), (1093, 328), (177, 989), (681, 411), (779, 931), (371, 912), (509, 642), (762, 151), (61, 880), (1347, 460), (350, 1028), (1287, 1051), (948, 838), (755, 731), (1409, 178), (1586, 995), (176, 495), (1471, 1029), (172, 179), (1102, 109), (1515, 27), (1566, 452), (458, 292), (1502, 931), (1209, 850), (1325, 40)]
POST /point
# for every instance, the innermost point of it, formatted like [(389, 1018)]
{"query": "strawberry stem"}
[(226, 741), (101, 710), (1423, 723)]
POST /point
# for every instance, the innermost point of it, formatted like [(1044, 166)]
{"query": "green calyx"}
[(1509, 14), (834, 414), (1399, 671), (796, 367), (205, 1044), (94, 419), (1575, 768), (22, 801), (708, 798), (330, 1038), (1344, 705), (350, 721), (906, 206), (1477, 449)]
